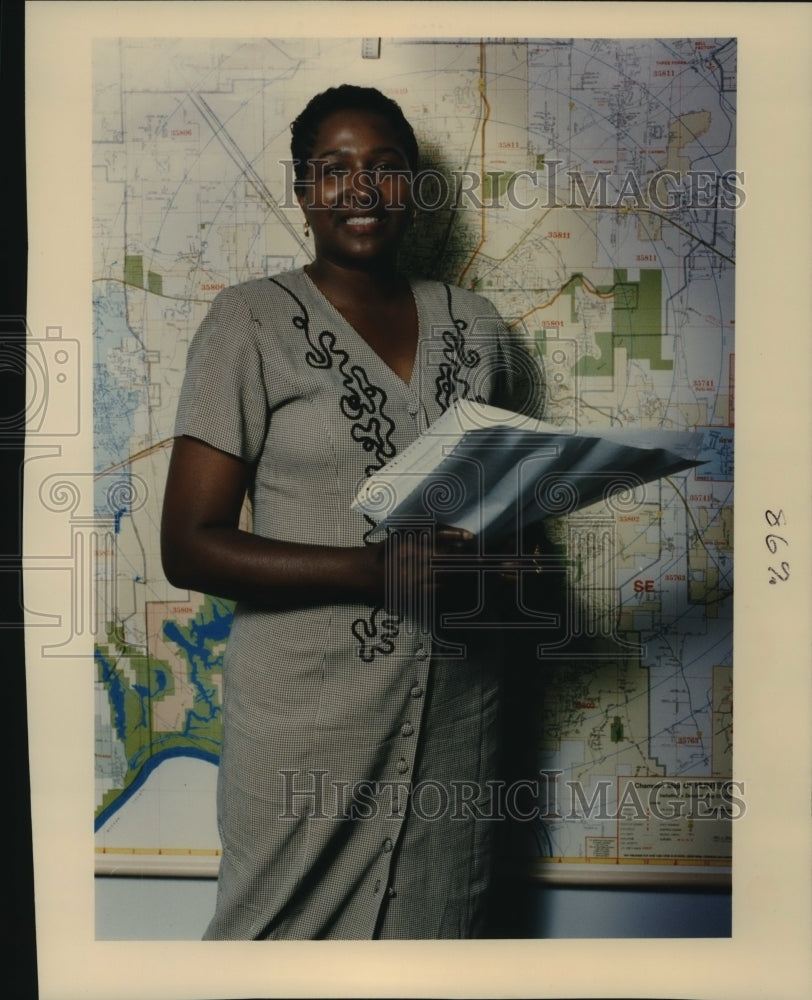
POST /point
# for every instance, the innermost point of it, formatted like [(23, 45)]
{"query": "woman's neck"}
[(347, 285)]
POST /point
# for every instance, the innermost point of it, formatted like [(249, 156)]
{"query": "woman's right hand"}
[(408, 566)]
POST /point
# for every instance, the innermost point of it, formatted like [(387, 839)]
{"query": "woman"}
[(336, 707)]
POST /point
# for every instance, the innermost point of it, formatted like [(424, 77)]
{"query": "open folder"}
[(488, 470)]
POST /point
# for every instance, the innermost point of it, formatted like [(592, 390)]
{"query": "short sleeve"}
[(223, 399)]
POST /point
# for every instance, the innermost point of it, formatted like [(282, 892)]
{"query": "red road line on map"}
[(575, 277)]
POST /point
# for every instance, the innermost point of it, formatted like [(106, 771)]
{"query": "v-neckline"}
[(407, 383)]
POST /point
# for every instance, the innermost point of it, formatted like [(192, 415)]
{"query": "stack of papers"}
[(488, 470)]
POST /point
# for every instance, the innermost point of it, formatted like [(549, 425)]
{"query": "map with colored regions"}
[(589, 189)]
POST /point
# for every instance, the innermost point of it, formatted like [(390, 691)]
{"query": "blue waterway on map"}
[(115, 400), (140, 780), (195, 641), (115, 691), (145, 693), (201, 661), (716, 454)]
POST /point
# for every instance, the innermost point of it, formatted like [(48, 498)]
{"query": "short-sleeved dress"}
[(354, 779)]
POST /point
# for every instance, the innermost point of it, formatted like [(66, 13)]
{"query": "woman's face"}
[(357, 191)]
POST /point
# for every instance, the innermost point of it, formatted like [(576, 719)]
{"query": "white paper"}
[(488, 470)]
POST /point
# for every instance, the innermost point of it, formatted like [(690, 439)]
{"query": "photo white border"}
[(769, 953)]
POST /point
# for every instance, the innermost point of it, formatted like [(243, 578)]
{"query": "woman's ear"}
[(300, 191)]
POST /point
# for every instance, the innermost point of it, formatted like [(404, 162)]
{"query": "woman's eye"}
[(333, 170), (385, 171)]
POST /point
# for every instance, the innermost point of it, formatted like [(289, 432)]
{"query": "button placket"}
[(412, 403), (416, 692), (403, 765), (384, 862)]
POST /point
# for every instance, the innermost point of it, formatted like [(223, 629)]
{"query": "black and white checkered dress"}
[(355, 753)]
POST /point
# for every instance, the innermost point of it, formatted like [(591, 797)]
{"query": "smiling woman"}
[(359, 761), (356, 198)]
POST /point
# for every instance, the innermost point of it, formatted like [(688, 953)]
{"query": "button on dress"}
[(357, 748)]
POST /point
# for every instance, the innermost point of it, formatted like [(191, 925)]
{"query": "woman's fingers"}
[(451, 540)]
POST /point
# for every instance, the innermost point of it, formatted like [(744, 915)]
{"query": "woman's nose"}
[(360, 189)]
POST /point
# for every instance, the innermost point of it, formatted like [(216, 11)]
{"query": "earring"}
[(306, 228)]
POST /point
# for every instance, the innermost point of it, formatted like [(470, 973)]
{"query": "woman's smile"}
[(369, 221)]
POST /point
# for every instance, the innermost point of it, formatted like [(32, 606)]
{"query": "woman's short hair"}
[(347, 97)]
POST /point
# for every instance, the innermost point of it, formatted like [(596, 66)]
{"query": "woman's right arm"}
[(203, 548)]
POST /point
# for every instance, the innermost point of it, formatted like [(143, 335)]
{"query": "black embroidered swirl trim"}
[(376, 634), (363, 404), (450, 382)]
